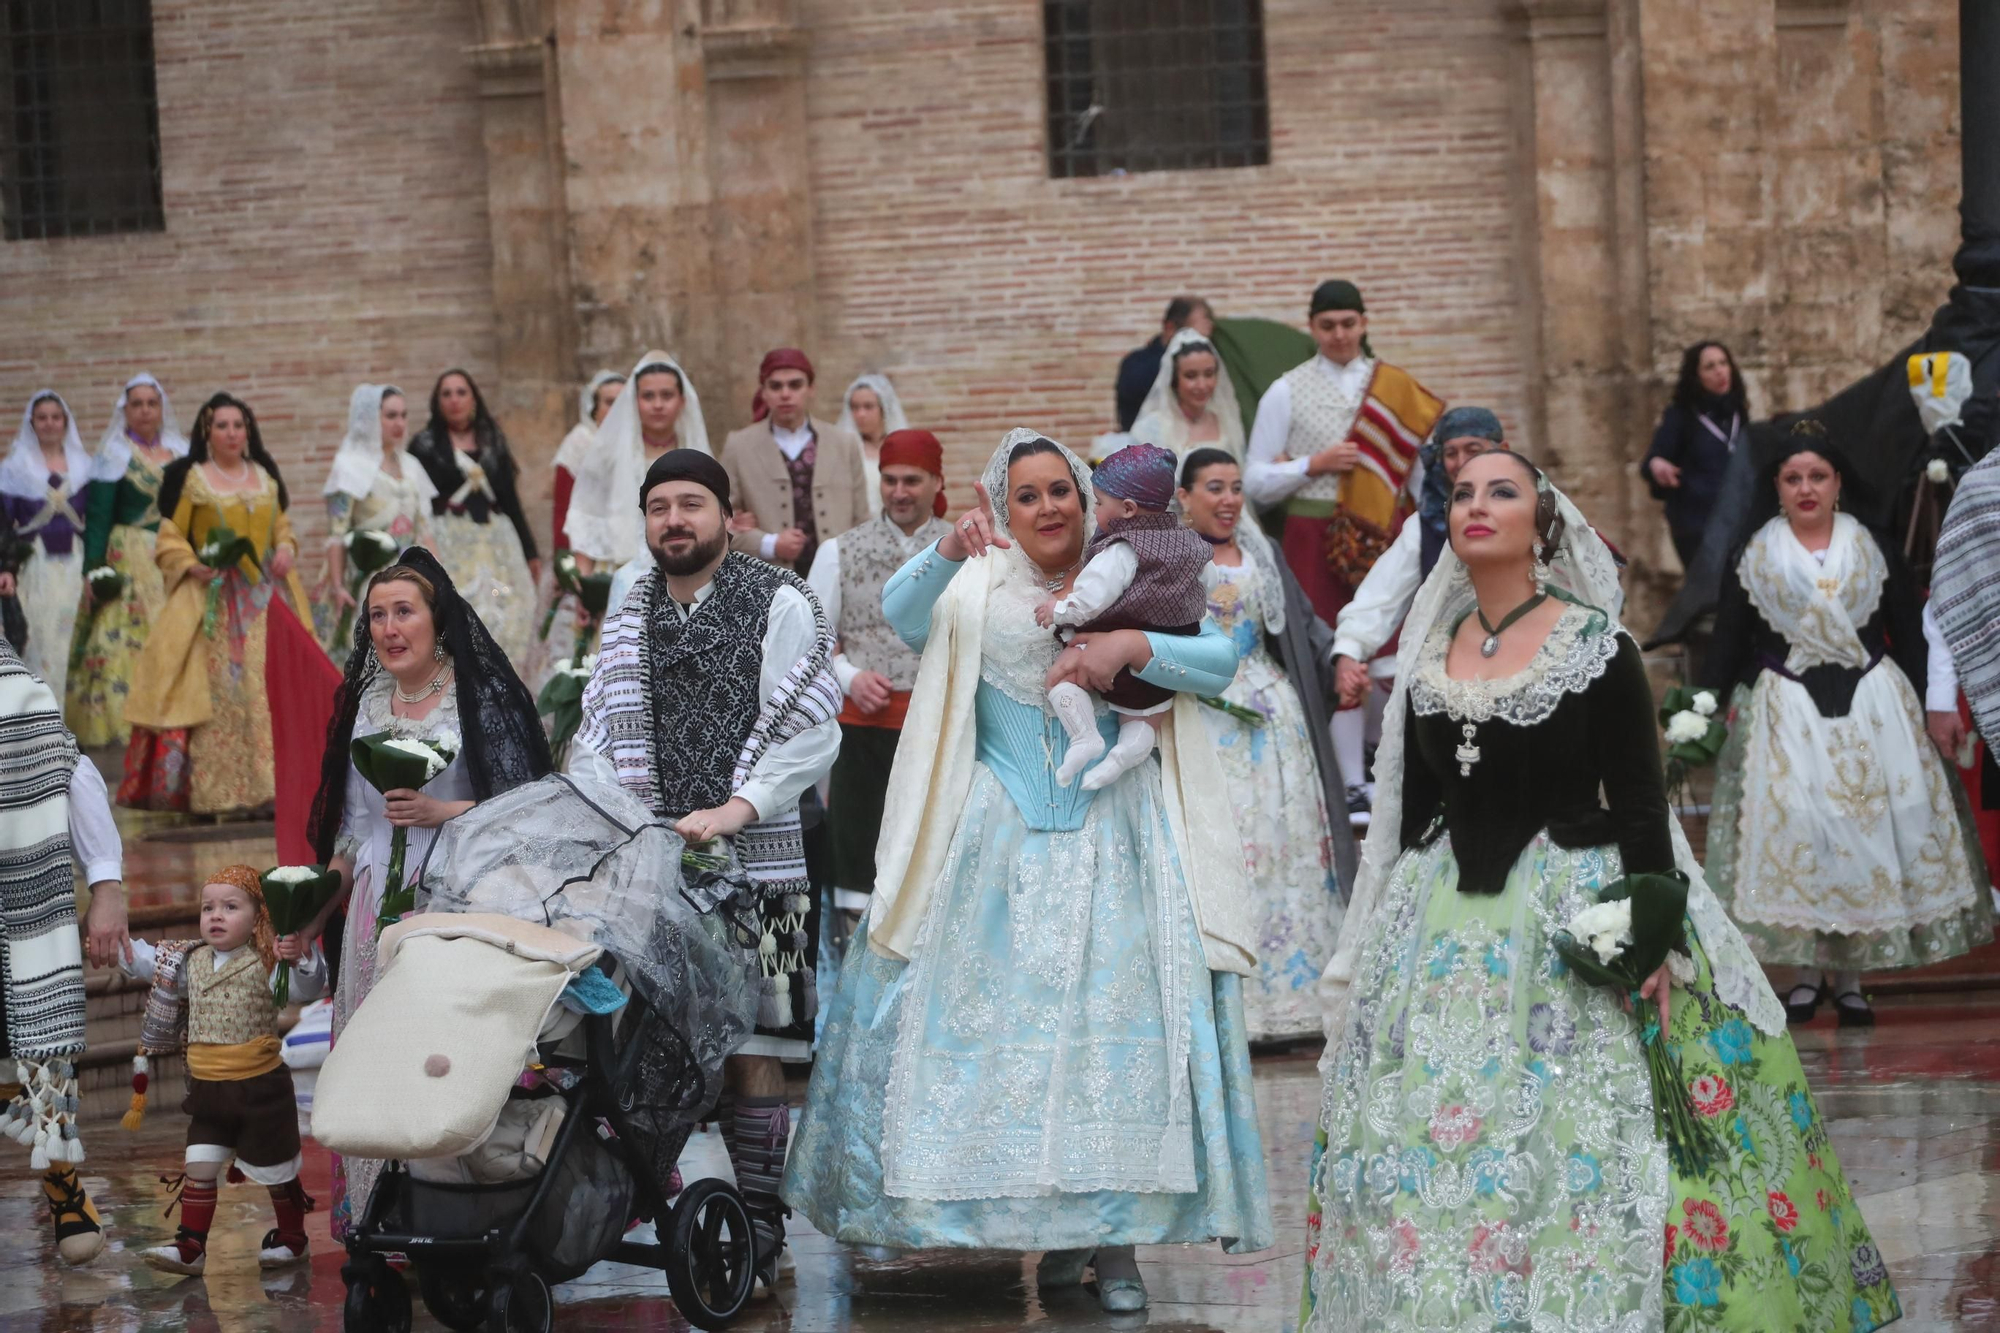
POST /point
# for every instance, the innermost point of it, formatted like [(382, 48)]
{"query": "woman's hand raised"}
[(975, 531)]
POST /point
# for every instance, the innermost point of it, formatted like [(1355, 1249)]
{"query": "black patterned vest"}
[(1167, 590), (704, 675)]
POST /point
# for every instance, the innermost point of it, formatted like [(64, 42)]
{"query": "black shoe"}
[(1802, 1002), (1852, 1006)]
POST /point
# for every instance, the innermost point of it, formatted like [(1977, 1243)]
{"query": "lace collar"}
[(376, 716), (1577, 651)]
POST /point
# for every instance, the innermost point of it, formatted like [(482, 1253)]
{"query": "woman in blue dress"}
[(1037, 1039)]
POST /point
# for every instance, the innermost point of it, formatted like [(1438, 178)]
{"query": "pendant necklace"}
[(437, 683), (1053, 584), (1493, 632)]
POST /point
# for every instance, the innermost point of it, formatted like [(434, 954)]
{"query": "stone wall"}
[(325, 196), (1779, 174)]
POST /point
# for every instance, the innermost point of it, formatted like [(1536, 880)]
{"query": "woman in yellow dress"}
[(199, 708), (142, 439)]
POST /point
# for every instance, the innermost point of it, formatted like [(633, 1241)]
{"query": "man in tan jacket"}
[(798, 481)]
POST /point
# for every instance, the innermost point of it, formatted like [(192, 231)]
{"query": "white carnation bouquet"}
[(400, 763)]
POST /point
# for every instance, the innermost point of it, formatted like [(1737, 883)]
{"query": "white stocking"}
[(1846, 983), (1071, 703), (1135, 742), (1350, 733)]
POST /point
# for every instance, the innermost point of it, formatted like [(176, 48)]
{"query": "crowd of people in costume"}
[(1316, 718)]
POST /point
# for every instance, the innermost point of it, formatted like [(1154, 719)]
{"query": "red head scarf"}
[(779, 358), (916, 448)]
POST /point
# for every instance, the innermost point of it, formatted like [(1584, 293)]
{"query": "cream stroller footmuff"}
[(424, 1066)]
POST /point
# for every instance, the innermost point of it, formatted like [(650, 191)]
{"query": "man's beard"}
[(703, 554)]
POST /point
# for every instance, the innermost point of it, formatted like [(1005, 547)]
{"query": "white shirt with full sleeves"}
[(783, 772), (1384, 597), (1099, 584), (1266, 480), (93, 833)]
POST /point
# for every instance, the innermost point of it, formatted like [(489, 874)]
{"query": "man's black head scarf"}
[(687, 465)]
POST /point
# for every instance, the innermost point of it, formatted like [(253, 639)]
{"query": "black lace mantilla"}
[(504, 742)]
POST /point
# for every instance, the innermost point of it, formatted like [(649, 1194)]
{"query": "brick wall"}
[(995, 296), (326, 224)]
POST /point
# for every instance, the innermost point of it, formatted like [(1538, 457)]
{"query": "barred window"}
[(79, 119), (1155, 85)]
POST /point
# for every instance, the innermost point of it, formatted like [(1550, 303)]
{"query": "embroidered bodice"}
[(1502, 760), (1236, 604), (395, 505)]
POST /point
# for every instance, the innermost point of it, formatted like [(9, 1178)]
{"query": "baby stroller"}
[(540, 1041)]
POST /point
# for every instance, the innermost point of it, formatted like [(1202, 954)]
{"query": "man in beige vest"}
[(875, 668), (797, 480)]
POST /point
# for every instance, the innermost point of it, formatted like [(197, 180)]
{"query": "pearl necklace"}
[(233, 478), (437, 683)]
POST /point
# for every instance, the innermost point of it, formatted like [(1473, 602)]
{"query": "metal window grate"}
[(1155, 85), (79, 119)]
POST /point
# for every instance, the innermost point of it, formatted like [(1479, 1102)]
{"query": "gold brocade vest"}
[(229, 1006)]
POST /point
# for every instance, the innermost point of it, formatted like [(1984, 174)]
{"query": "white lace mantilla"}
[(1577, 651), (1015, 652)]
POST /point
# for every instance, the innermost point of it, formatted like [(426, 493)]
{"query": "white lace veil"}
[(586, 398), (23, 472), (359, 457), (114, 450), (1583, 567), (604, 520), (994, 478), (1161, 421), (892, 406)]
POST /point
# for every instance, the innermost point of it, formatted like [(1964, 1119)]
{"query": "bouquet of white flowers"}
[(399, 763), (369, 550), (294, 895), (1694, 734), (1637, 925), (106, 585), (222, 551)]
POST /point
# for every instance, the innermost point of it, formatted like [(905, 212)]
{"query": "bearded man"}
[(714, 702)]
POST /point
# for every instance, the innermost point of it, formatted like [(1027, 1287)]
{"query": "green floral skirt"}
[(1487, 1156)]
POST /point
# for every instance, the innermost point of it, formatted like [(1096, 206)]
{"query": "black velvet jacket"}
[(1745, 645), (1543, 767), (434, 455)]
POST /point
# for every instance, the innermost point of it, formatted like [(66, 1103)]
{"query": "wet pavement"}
[(1913, 1106)]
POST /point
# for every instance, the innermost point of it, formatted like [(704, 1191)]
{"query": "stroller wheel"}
[(711, 1254), (524, 1306), (455, 1293), (377, 1300)]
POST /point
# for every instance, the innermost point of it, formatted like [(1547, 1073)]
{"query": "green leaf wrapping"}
[(292, 908), (595, 591), (1249, 717), (561, 701), (369, 550), (386, 770)]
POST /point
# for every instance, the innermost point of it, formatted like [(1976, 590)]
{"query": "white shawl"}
[(934, 769), (359, 460), (25, 473)]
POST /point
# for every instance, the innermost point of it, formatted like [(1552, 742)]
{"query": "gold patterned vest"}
[(869, 556), (230, 1006)]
